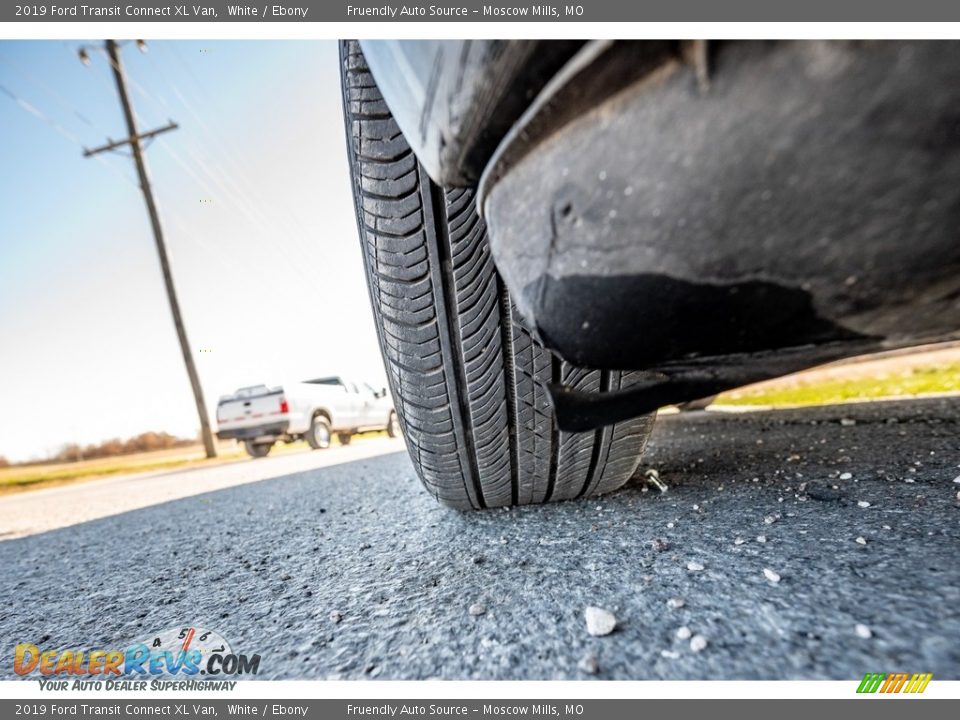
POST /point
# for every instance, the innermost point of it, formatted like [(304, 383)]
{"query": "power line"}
[(50, 92), (60, 130)]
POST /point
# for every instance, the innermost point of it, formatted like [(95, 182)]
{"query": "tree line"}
[(144, 442)]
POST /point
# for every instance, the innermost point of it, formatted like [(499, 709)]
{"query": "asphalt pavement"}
[(800, 544), (42, 509)]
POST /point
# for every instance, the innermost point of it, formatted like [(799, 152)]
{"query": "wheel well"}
[(324, 414)]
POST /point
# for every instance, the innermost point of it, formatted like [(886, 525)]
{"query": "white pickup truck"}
[(314, 410)]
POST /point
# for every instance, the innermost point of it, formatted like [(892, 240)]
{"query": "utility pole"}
[(135, 141)]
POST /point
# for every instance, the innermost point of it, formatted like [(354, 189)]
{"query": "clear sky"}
[(255, 200)]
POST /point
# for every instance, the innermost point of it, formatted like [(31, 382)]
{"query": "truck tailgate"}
[(243, 410)]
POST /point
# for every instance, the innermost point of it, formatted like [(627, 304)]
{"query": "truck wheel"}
[(393, 427), (344, 438), (318, 436), (257, 450), (468, 379)]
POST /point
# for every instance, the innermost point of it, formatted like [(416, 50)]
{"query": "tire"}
[(393, 425), (318, 436), (468, 379), (344, 438), (257, 450)]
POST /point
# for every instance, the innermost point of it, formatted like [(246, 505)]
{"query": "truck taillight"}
[(284, 406)]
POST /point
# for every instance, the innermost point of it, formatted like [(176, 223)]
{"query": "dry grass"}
[(26, 477)]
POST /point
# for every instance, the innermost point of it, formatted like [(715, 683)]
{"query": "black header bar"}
[(476, 11)]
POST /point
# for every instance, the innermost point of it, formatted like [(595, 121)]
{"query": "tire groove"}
[(447, 283)]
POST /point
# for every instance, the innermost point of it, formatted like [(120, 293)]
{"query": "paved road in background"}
[(352, 571), (34, 511)]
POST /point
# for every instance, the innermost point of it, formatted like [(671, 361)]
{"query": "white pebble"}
[(599, 621), (697, 643), (847, 422), (739, 541), (863, 504), (761, 538), (684, 633), (845, 476), (588, 664), (694, 566), (957, 480), (769, 519), (861, 540), (670, 654), (771, 575), (477, 609), (863, 631), (676, 603)]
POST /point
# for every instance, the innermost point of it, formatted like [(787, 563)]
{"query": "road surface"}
[(27, 513), (794, 544)]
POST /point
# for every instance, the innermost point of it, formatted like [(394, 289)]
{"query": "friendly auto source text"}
[(388, 710), (393, 11)]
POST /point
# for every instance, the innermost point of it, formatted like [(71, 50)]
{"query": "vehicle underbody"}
[(711, 214)]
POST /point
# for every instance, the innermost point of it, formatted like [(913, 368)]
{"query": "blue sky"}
[(255, 200)]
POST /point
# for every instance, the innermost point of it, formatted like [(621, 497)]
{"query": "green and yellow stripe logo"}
[(894, 682)]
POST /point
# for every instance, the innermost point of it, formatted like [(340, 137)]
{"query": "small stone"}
[(599, 621), (684, 633), (698, 643), (588, 664), (739, 541), (957, 480), (477, 609), (761, 538), (847, 422), (863, 504), (676, 603), (335, 617), (769, 519), (861, 540), (660, 545), (694, 566), (822, 492), (669, 654), (863, 631), (771, 575), (845, 476)]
